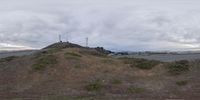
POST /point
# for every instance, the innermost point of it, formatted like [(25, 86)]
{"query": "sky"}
[(119, 25)]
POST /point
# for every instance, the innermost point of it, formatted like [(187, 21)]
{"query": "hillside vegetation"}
[(77, 73)]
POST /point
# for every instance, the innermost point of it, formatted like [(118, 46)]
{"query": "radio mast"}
[(67, 38), (86, 41), (60, 38)]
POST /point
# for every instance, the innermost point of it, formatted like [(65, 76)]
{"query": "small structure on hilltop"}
[(62, 45), (102, 50), (60, 38)]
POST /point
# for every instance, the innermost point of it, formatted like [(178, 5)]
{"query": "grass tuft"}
[(71, 55), (135, 90), (181, 83), (68, 98), (77, 66), (116, 81), (94, 86)]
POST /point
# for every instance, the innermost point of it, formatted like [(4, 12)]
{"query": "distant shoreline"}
[(165, 57), (4, 54)]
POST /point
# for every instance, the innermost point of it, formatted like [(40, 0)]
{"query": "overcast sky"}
[(114, 24)]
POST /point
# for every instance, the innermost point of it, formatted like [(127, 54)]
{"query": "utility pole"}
[(86, 42)]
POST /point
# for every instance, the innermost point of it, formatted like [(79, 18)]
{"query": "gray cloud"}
[(114, 24)]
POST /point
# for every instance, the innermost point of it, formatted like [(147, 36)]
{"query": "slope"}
[(78, 73)]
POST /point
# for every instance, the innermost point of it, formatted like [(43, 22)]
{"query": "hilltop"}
[(67, 71), (62, 45)]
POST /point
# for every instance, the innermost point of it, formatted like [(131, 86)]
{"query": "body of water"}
[(168, 57), (4, 54)]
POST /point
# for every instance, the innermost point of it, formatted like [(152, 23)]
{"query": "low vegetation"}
[(178, 67), (7, 59), (77, 66), (93, 53), (71, 55), (135, 90), (44, 61), (116, 81), (94, 86), (46, 52), (68, 98), (53, 50), (140, 63), (181, 83), (108, 61)]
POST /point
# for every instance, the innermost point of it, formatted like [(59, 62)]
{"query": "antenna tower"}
[(67, 38), (60, 38), (86, 42)]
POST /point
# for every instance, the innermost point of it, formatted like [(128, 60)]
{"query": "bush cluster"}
[(43, 61), (93, 53), (140, 63), (46, 52), (7, 59), (135, 90), (181, 83), (178, 67), (94, 86)]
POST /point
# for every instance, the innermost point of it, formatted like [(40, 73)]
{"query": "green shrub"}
[(44, 61), (178, 67), (7, 59), (140, 63), (51, 97), (95, 86), (93, 53), (71, 55), (135, 90), (50, 51), (181, 83), (116, 81), (77, 66), (46, 52)]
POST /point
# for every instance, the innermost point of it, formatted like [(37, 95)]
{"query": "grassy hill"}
[(61, 72)]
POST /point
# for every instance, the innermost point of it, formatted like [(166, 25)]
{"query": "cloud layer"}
[(115, 24)]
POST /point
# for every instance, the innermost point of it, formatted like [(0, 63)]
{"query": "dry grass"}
[(77, 77)]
